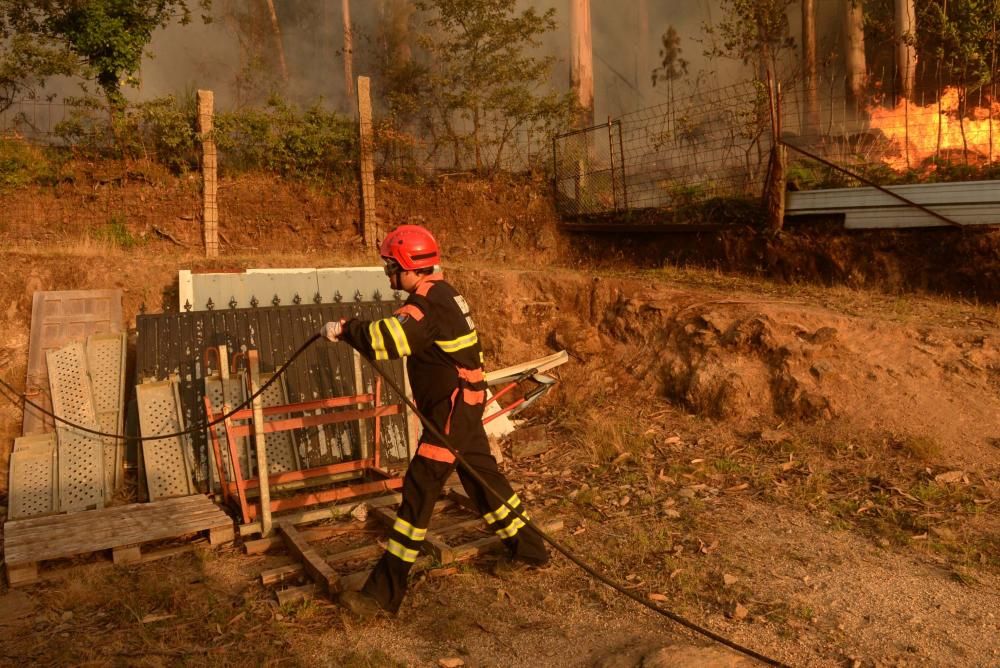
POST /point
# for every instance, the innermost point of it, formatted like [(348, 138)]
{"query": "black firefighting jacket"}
[(434, 330)]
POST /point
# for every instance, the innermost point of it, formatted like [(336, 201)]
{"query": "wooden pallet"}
[(122, 529), (439, 547)]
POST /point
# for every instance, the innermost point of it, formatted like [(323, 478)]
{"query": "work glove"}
[(332, 330)]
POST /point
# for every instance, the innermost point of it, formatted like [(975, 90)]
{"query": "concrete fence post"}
[(209, 174), (366, 164)]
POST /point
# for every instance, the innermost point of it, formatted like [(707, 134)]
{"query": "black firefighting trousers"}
[(425, 478)]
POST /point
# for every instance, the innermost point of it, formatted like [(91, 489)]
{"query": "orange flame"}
[(920, 132)]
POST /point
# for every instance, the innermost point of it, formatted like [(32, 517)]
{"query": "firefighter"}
[(435, 331)]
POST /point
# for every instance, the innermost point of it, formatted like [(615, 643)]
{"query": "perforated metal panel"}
[(32, 489), (106, 364), (235, 394), (80, 455), (282, 455), (167, 472)]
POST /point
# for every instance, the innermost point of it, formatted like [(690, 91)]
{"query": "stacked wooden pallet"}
[(125, 530)]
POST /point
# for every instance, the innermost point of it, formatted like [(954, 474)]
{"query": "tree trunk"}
[(276, 28), (581, 61), (812, 121), (854, 51), (348, 52), (906, 51), (644, 74)]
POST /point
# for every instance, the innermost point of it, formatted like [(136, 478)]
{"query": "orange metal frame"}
[(236, 490)]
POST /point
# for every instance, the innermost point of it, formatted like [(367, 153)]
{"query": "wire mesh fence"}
[(711, 144), (945, 133)]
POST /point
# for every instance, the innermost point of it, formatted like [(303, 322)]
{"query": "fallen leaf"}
[(360, 512), (578, 531), (740, 612), (774, 436), (675, 573), (865, 507), (670, 513), (697, 461), (739, 488), (728, 579), (149, 619), (659, 598), (624, 501), (788, 466), (442, 572), (451, 662), (673, 440), (621, 459), (949, 477)]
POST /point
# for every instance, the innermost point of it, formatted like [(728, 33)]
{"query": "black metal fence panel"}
[(172, 346)]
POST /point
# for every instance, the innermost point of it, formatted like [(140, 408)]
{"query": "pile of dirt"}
[(755, 362)]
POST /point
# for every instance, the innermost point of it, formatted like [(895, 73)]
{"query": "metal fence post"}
[(621, 157), (611, 157)]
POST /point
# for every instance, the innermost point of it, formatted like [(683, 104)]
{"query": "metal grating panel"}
[(58, 318), (32, 489), (80, 455), (167, 471), (235, 394), (106, 364), (281, 453)]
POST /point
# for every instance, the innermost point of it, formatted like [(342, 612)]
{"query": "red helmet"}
[(411, 247)]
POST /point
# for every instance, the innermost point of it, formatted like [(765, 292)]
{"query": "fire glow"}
[(921, 132)]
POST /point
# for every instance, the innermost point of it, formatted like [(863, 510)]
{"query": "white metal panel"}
[(349, 281), (33, 490), (927, 194), (80, 454)]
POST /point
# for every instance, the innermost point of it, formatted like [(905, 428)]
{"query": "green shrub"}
[(116, 233), (310, 143)]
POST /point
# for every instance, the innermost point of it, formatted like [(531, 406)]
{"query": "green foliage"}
[(672, 65), (307, 143), (108, 37), (752, 31), (960, 38), (22, 164), (26, 62), (16, 163), (482, 84), (116, 233)]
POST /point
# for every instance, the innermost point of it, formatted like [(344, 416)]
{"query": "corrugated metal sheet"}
[(968, 203), (172, 345)]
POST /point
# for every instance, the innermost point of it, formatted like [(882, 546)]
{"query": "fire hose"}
[(518, 512)]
